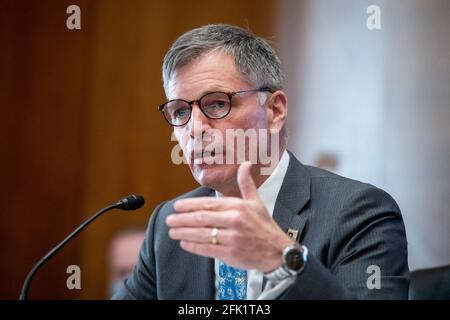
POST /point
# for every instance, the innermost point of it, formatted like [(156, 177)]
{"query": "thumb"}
[(245, 181)]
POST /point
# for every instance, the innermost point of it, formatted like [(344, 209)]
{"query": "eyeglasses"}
[(214, 105)]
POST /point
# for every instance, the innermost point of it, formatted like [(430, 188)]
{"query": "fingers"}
[(194, 219), (246, 186), (245, 181), (201, 235), (201, 218), (206, 203)]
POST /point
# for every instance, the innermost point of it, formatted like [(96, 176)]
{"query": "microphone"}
[(131, 202)]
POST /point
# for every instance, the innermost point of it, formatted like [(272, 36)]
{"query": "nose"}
[(198, 123)]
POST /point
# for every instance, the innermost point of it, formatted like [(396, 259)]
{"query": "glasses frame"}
[(190, 103)]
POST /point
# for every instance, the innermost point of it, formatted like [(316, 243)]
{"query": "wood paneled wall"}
[(80, 127)]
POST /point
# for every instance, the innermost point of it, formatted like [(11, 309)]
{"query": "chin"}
[(215, 175)]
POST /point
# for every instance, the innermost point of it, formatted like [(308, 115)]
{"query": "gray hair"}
[(255, 59)]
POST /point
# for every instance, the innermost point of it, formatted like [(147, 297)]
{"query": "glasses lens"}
[(177, 112), (216, 105)]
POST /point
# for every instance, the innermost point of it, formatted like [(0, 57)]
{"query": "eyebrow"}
[(214, 89)]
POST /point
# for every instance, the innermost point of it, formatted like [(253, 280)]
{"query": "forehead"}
[(213, 71)]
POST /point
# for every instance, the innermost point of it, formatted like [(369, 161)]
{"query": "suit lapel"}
[(293, 196)]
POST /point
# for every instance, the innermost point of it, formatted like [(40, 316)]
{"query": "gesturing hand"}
[(247, 236)]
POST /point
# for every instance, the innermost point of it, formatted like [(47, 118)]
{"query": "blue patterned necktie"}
[(232, 283)]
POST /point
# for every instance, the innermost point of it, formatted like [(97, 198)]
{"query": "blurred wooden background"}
[(80, 127)]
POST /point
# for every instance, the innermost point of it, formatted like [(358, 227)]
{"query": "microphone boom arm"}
[(51, 253)]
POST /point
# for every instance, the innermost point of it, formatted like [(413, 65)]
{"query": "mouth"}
[(200, 156)]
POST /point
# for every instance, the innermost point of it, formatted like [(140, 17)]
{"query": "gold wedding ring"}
[(214, 232)]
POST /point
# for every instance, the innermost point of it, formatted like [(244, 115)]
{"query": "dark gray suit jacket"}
[(346, 225)]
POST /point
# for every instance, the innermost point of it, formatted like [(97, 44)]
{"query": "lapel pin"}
[(293, 233)]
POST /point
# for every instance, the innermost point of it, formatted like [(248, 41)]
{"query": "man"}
[(123, 252), (298, 232)]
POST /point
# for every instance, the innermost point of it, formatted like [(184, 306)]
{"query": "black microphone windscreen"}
[(132, 202)]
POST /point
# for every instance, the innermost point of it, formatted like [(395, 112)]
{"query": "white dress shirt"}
[(268, 193)]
